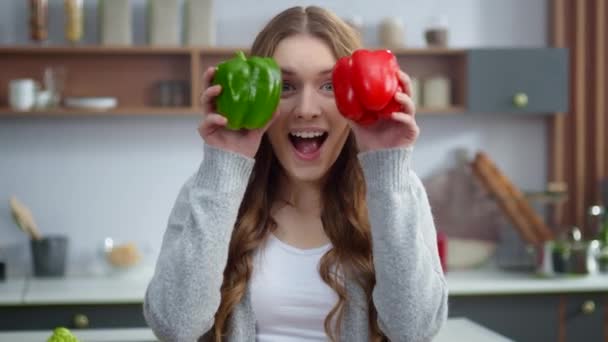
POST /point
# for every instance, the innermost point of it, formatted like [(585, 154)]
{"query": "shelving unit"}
[(131, 74)]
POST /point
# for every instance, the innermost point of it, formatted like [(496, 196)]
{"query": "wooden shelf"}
[(115, 50), (8, 112), (132, 74), (186, 111), (155, 50)]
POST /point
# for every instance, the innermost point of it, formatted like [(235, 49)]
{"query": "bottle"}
[(442, 248), (595, 219), (39, 20), (74, 18), (603, 238)]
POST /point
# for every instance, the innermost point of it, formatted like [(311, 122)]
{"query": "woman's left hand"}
[(400, 130)]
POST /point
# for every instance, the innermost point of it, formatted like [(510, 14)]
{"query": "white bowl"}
[(468, 253), (99, 103)]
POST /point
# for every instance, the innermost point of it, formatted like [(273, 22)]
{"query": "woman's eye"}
[(328, 86), (287, 87)]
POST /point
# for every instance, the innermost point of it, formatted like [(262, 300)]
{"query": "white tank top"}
[(289, 298)]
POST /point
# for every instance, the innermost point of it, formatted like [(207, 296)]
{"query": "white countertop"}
[(131, 287), (11, 292), (90, 335), (86, 290), (456, 329), (462, 329), (490, 280)]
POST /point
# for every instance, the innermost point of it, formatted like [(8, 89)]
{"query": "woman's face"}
[(309, 133)]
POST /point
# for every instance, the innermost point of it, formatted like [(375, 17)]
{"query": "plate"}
[(91, 102)]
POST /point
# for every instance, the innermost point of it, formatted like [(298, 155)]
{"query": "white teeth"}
[(307, 134)]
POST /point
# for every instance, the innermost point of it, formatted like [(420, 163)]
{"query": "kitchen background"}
[(98, 177)]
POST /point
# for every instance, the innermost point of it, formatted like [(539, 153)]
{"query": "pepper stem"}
[(241, 55)]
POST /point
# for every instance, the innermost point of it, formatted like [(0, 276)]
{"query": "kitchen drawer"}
[(34, 317), (539, 78), (522, 318), (585, 316)]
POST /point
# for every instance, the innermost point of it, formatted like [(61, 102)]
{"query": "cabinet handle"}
[(520, 100), (588, 307), (81, 321)]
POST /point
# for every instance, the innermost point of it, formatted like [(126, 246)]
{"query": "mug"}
[(22, 94), (436, 92)]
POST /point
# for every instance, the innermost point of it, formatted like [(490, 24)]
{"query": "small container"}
[(2, 271), (39, 18), (49, 256), (392, 33), (436, 35), (74, 20), (164, 89), (437, 92), (442, 247)]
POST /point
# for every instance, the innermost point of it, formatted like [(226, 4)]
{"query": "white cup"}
[(22, 94), (436, 92)]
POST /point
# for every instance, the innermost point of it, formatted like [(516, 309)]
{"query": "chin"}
[(308, 175)]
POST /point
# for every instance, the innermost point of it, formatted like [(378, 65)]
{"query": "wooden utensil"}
[(512, 201), (24, 218)]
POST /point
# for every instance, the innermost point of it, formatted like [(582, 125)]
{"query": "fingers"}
[(211, 123), (407, 103), (207, 97), (407, 120), (209, 91), (208, 77), (405, 81)]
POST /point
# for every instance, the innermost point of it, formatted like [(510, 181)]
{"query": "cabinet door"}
[(585, 316), (533, 80), (522, 318), (31, 317)]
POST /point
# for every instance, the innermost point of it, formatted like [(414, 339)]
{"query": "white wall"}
[(98, 177)]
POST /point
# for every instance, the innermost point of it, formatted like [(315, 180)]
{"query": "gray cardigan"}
[(410, 293)]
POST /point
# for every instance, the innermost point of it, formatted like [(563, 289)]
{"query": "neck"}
[(303, 196)]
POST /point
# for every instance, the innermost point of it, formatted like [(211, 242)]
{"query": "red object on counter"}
[(365, 84), (442, 247)]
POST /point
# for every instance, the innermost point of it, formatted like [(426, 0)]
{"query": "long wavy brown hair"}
[(344, 212)]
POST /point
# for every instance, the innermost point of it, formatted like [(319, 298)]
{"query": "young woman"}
[(310, 229)]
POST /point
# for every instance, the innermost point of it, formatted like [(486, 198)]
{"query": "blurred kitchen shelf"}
[(185, 111), (132, 74), (109, 50)]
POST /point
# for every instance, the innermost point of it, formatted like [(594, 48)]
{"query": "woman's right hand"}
[(213, 128)]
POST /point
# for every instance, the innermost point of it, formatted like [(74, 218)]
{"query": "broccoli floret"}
[(62, 334)]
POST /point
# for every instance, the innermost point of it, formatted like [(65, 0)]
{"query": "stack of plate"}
[(91, 103)]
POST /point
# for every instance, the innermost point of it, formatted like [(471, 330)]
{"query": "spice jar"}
[(392, 33), (436, 35), (39, 20), (74, 18)]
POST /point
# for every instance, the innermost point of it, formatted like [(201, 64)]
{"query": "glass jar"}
[(39, 14), (74, 20)]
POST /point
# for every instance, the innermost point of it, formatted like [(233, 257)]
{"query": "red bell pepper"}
[(365, 84)]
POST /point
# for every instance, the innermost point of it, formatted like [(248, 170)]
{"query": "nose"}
[(307, 107)]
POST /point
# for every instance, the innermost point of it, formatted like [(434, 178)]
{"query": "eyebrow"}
[(289, 72)]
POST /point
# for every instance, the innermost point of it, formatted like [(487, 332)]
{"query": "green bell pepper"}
[(62, 334), (251, 90)]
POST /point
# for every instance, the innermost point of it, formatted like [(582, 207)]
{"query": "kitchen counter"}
[(490, 280), (87, 290), (11, 291), (116, 288), (131, 287), (90, 335), (456, 329)]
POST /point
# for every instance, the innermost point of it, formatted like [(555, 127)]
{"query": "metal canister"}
[(39, 14)]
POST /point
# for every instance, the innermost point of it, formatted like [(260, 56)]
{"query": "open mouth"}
[(308, 143)]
